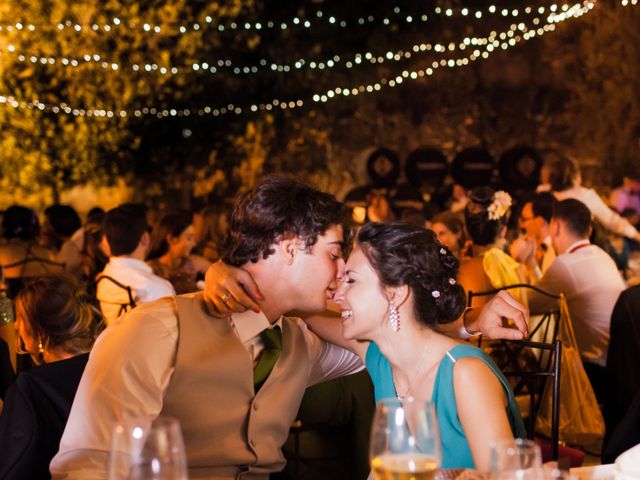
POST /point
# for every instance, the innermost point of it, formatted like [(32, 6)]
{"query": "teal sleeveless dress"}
[(455, 448)]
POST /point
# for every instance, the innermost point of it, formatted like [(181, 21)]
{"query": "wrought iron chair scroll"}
[(124, 307), (16, 283)]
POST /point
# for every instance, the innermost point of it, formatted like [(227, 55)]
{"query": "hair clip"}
[(435, 294), (452, 281)]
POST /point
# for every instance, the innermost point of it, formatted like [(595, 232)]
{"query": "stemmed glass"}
[(405, 440), (145, 448), (516, 459)]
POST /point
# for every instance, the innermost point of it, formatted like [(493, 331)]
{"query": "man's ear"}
[(144, 240), (290, 248), (398, 295), (104, 245)]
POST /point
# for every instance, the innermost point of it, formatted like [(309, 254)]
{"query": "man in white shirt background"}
[(589, 278), (125, 229)]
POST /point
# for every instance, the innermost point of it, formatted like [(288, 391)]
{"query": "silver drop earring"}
[(394, 316)]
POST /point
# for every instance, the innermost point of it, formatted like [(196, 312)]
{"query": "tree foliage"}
[(42, 149)]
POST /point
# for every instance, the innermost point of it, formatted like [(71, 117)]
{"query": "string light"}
[(502, 41), (316, 18), (495, 42), (217, 66)]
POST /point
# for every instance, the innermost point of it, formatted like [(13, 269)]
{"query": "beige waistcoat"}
[(229, 431)]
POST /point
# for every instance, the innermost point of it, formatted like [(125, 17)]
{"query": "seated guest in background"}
[(488, 267), (566, 180), (172, 241), (57, 326), (95, 252), (589, 278), (61, 224), (535, 249), (210, 227), (125, 228), (95, 215), (449, 228), (20, 230), (626, 196)]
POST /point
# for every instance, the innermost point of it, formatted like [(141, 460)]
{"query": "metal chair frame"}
[(124, 307), (545, 321), (546, 365)]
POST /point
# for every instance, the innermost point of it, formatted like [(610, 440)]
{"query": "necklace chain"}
[(417, 373)]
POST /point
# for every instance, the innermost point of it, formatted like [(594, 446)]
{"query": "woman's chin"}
[(346, 332)]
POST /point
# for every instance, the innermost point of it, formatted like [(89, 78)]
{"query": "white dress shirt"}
[(605, 216), (589, 278), (136, 274), (129, 371)]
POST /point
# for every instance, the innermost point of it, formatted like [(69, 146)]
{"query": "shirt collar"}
[(130, 262), (249, 324), (579, 243)]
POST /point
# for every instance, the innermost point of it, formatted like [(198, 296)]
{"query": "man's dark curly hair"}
[(280, 207)]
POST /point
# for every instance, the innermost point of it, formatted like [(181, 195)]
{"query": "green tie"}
[(272, 339)]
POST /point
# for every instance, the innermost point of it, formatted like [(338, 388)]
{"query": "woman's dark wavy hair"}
[(404, 254), (173, 224), (280, 207), (476, 217)]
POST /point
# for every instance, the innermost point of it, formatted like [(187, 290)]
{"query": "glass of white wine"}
[(405, 440), (516, 459), (145, 448)]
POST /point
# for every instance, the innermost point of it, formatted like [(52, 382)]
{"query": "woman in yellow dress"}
[(488, 266)]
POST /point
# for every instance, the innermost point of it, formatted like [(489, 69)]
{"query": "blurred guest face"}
[(364, 304), (447, 237), (528, 221), (183, 244)]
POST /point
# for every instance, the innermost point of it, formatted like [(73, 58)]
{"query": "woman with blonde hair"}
[(57, 326)]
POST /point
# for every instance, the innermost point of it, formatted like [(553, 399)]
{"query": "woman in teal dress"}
[(399, 287)]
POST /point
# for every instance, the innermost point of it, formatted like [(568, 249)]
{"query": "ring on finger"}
[(225, 298)]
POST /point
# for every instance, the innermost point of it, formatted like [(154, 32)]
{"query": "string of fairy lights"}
[(220, 65), (475, 49), (316, 18), (216, 66)]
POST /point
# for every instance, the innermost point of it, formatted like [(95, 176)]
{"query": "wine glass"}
[(516, 459), (146, 448), (405, 440)]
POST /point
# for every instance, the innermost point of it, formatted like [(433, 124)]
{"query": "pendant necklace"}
[(417, 373)]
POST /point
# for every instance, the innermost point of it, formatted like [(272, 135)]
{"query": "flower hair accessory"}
[(499, 206)]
